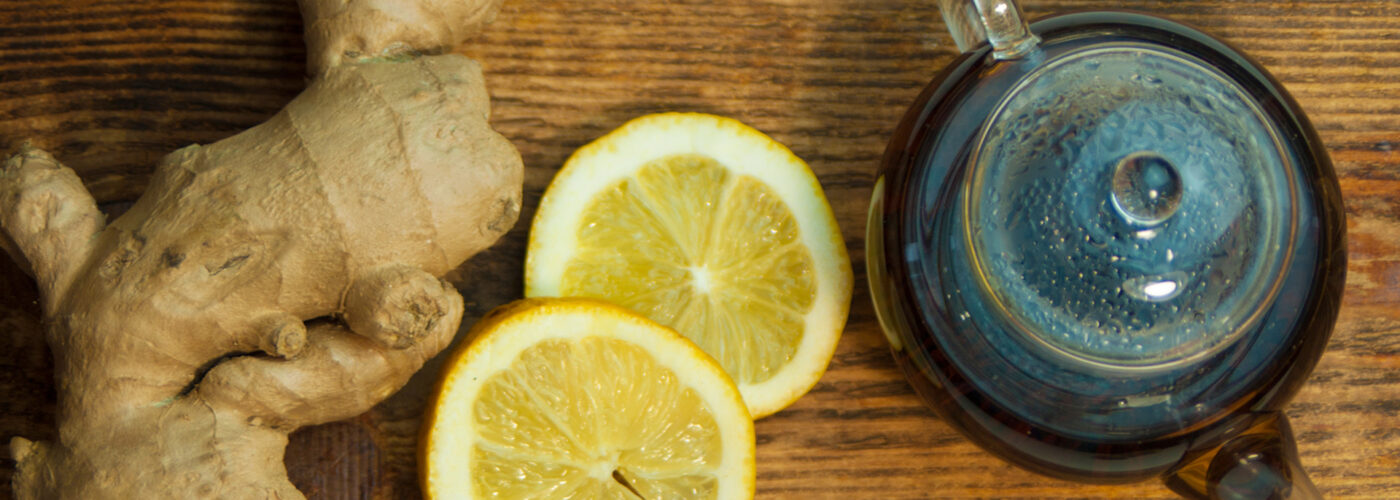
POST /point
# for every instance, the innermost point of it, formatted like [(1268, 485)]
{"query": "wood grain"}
[(111, 86)]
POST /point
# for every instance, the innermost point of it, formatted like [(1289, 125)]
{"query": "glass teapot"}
[(1108, 247)]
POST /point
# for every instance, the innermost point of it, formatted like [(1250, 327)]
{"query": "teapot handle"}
[(1261, 462), (999, 22)]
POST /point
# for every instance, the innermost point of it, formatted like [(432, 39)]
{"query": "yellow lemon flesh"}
[(578, 398), (705, 225)]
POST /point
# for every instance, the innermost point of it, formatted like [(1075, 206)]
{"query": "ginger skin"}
[(183, 355)]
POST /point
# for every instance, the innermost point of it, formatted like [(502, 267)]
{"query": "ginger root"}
[(183, 352)]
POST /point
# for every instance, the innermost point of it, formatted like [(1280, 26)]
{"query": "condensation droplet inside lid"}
[(1129, 206)]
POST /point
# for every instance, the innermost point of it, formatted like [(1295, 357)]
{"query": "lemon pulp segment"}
[(569, 414), (715, 255)]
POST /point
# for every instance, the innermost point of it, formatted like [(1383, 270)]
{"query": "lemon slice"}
[(705, 225), (578, 398)]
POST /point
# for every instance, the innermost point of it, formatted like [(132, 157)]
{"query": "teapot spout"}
[(997, 22)]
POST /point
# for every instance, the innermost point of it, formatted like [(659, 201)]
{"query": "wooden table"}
[(110, 87)]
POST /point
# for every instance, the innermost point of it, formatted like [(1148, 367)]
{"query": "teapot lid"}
[(1129, 205)]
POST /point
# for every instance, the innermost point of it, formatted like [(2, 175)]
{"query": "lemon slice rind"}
[(498, 340), (743, 151)]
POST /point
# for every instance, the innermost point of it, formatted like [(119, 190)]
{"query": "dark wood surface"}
[(110, 87)]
